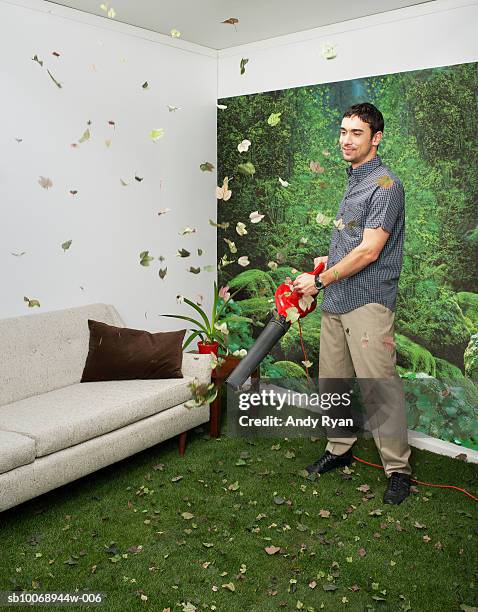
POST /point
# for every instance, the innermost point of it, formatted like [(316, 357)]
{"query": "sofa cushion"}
[(70, 415), (122, 353), (47, 350), (15, 450)]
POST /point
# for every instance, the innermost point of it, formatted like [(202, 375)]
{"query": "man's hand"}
[(305, 283)]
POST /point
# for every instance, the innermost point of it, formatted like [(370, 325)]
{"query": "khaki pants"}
[(362, 340)]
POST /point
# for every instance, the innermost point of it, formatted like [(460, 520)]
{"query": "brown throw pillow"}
[(121, 353)]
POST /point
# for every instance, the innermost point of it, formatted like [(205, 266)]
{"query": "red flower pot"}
[(208, 347)]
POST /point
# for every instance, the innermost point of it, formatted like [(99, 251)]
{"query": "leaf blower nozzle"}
[(288, 301)]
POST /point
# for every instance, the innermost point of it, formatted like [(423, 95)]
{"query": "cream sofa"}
[(54, 429)]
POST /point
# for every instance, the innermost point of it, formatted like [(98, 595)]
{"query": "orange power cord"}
[(428, 484)]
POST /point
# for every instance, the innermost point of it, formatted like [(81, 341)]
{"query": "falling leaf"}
[(225, 261), (307, 364), (224, 193), (162, 272), (231, 20), (45, 182), (389, 342), (59, 85), (39, 61), (156, 134), (243, 261), (272, 265), (241, 228), (138, 178), (328, 50), (272, 550), (242, 65), (188, 230), (194, 270), (322, 219), (316, 167), (324, 513), (108, 142), (66, 245), (224, 225), (385, 181), (255, 217), (112, 123), (123, 182), (175, 33), (274, 118), (339, 224), (110, 12), (221, 106), (19, 254), (231, 244), (292, 314), (172, 108), (183, 253), (187, 515), (86, 136), (163, 211), (243, 146), (247, 169), (31, 303), (283, 183), (145, 258), (207, 167), (19, 140), (56, 54)]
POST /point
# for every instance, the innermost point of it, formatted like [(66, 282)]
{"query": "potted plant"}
[(212, 331)]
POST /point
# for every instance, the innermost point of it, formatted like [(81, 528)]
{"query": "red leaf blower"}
[(286, 297)]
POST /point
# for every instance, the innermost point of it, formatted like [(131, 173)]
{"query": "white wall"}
[(427, 35), (109, 224)]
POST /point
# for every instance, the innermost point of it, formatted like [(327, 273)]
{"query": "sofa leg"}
[(182, 442)]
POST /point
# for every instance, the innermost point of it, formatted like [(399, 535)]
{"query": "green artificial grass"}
[(191, 533)]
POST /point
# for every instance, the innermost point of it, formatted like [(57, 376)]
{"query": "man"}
[(360, 288)]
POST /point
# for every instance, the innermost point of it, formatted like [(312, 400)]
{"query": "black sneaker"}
[(398, 488), (328, 462)]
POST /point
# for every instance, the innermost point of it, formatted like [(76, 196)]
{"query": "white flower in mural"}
[(307, 363), (224, 293), (240, 352), (222, 327), (243, 261), (255, 217), (241, 228), (283, 183), (224, 193), (328, 50), (244, 146), (303, 240), (221, 106), (272, 265)]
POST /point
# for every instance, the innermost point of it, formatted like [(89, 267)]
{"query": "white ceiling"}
[(200, 21)]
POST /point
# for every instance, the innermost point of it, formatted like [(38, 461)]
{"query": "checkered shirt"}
[(367, 204)]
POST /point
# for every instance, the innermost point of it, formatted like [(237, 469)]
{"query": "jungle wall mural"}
[(281, 178)]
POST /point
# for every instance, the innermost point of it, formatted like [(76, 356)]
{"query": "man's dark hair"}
[(368, 113)]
